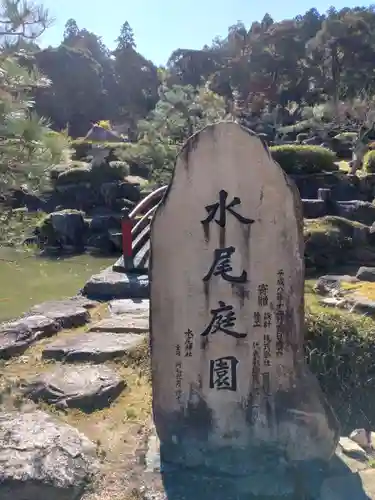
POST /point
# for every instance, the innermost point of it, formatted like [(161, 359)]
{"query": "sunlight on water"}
[(27, 280)]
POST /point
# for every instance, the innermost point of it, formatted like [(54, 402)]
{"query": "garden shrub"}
[(340, 350), (301, 159), (369, 162)]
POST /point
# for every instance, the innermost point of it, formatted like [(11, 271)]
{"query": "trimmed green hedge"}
[(299, 159), (369, 162)]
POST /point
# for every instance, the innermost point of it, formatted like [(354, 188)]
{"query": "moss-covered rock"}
[(331, 241), (109, 172), (74, 175), (65, 229)]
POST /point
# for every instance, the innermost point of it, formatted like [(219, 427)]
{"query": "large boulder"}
[(101, 223), (86, 387), (109, 285), (66, 228), (366, 274), (41, 458), (355, 210), (101, 244)]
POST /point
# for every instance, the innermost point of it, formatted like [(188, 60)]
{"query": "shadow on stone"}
[(343, 484), (310, 483)]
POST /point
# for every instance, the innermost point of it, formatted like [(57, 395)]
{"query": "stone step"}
[(132, 306), (93, 346), (87, 387), (69, 313), (124, 323), (16, 336)]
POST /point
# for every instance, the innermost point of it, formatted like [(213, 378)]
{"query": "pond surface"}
[(27, 280)]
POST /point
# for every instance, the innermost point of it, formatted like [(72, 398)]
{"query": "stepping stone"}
[(124, 306), (93, 346), (68, 313), (124, 323), (41, 457), (86, 387), (17, 336), (109, 285), (76, 300)]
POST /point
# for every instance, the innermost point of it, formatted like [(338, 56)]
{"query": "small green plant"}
[(300, 159), (369, 162), (347, 137)]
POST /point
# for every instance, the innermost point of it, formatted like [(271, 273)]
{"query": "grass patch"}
[(16, 225), (364, 288)]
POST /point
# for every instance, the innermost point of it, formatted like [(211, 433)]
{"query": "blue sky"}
[(161, 26)]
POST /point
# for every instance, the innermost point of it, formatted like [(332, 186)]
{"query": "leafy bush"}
[(297, 159), (340, 349), (369, 162)]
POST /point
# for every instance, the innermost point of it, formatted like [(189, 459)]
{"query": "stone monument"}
[(231, 391)]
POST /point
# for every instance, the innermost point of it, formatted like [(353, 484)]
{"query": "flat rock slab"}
[(68, 313), (124, 323), (93, 346), (76, 300), (109, 285), (132, 306), (86, 387), (43, 458), (17, 336)]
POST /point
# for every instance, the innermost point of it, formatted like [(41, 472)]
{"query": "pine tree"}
[(25, 139), (126, 38)]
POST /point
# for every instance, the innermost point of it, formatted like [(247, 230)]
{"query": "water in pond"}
[(27, 280)]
